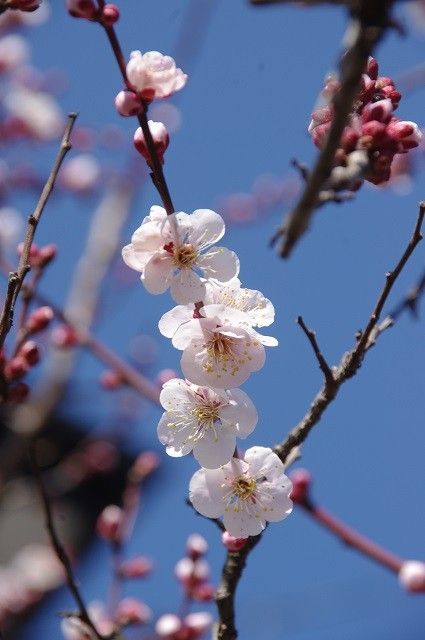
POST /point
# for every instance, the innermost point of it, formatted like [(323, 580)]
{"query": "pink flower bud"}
[(301, 481), (110, 15), (202, 592), (16, 368), (412, 576), (34, 251), (110, 380), (196, 546), (168, 626), (381, 111), (24, 5), (18, 392), (138, 567), (132, 611), (39, 319), (145, 464), (165, 375), (109, 523), (128, 103), (198, 622), (82, 9), (231, 543), (374, 129), (30, 352), (372, 68), (47, 254), (160, 138), (64, 336)]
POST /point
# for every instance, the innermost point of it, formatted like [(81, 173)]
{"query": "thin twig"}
[(311, 335), (16, 278), (58, 546), (370, 20), (352, 361)]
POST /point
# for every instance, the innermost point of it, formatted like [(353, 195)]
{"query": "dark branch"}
[(370, 21), (327, 371), (16, 278), (352, 361)]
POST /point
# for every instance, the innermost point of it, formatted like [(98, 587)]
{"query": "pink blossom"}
[(14, 52), (128, 103), (132, 611), (81, 173), (154, 75)]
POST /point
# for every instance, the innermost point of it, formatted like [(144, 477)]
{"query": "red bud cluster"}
[(372, 127)]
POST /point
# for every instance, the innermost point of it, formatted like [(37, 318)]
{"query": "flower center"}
[(206, 414), (244, 487), (220, 347), (185, 256)]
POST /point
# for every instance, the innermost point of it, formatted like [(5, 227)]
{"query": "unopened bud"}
[(64, 336), (110, 15), (110, 380), (202, 592), (30, 352), (372, 68), (132, 611), (231, 543), (196, 546), (24, 5), (16, 368), (168, 625), (145, 464), (381, 111), (109, 523), (18, 392), (39, 319), (412, 576), (82, 9), (128, 103), (138, 567), (301, 481), (47, 254), (165, 375), (160, 137), (198, 622)]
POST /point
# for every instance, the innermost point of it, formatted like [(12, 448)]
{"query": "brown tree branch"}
[(370, 20), (17, 277), (311, 336), (352, 361)]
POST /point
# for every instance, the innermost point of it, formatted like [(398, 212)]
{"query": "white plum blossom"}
[(204, 420), (248, 493), (171, 251), (154, 75), (219, 348)]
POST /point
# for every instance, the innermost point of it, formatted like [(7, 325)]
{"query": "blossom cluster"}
[(373, 135), (215, 326)]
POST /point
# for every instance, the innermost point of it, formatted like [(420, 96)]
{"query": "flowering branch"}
[(157, 174), (352, 361), (58, 546), (370, 21), (16, 278)]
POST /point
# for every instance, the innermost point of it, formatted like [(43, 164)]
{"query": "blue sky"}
[(245, 111)]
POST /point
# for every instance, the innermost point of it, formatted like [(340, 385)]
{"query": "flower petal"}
[(194, 329), (175, 439), (241, 412), (219, 263), (207, 228), (158, 272), (186, 287), (275, 501), (176, 396), (263, 462), (212, 451), (172, 320), (241, 523), (206, 492)]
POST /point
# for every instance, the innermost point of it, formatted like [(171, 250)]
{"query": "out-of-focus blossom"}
[(168, 626), (37, 111), (196, 546), (39, 566), (138, 567), (198, 622), (131, 611), (11, 225), (81, 173), (154, 75), (247, 493), (109, 523), (412, 576), (73, 629), (25, 18), (24, 5), (167, 113), (14, 52), (128, 103), (82, 9)]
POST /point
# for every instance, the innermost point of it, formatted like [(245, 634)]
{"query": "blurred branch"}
[(370, 20), (16, 278), (58, 546), (351, 361)]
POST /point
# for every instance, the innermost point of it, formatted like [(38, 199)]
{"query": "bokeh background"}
[(255, 74)]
